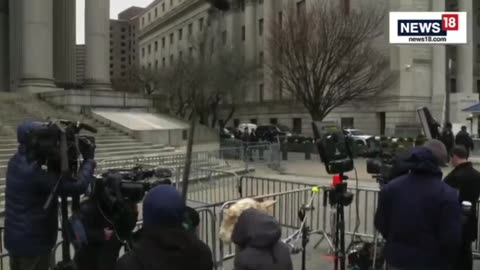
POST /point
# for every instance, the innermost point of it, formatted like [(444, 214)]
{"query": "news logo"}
[(428, 27)]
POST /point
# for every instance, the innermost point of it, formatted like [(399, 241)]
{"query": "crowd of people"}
[(429, 222)]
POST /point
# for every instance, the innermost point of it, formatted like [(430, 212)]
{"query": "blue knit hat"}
[(163, 206)]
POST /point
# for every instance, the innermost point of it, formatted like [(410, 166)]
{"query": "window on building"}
[(149, 49), (260, 92), (180, 34), (163, 62), (111, 73), (260, 27), (163, 42), (260, 58), (156, 13), (200, 24), (156, 46), (224, 37), (273, 121), (123, 37), (123, 44), (111, 58), (190, 29), (143, 21), (243, 33), (347, 122), (297, 125), (254, 121), (149, 17), (111, 65), (122, 74), (171, 38), (180, 55), (171, 3), (143, 52), (123, 52), (111, 51), (123, 59), (150, 66), (346, 6), (171, 59), (478, 86), (301, 8), (156, 64), (242, 5), (163, 7), (123, 29)]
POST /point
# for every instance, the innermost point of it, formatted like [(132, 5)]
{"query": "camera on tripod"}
[(58, 145)]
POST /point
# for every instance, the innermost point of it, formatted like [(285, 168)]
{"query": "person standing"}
[(419, 216), (447, 137), (466, 180), (165, 242), (463, 138)]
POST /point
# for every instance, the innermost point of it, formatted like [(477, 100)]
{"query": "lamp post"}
[(448, 88)]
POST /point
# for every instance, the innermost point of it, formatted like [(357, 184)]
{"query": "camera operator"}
[(419, 215), (466, 180), (30, 230)]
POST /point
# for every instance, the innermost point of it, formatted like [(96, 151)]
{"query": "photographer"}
[(30, 230), (107, 224), (466, 180), (419, 215)]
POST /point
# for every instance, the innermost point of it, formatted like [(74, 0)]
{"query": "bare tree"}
[(197, 84), (326, 58)]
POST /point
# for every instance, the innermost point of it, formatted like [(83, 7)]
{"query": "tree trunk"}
[(188, 157), (230, 115)]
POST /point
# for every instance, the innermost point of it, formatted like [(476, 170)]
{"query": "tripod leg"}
[(341, 226), (336, 240)]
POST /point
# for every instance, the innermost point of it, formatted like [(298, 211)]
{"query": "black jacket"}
[(167, 249), (463, 138), (466, 180), (448, 139), (258, 237)]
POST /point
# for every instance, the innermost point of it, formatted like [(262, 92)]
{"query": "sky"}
[(116, 6)]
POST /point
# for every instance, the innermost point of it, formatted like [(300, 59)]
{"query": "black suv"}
[(270, 133)]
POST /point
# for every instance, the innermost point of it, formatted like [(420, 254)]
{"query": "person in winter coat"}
[(463, 138), (31, 231), (466, 180), (164, 242), (420, 217), (257, 236), (447, 137)]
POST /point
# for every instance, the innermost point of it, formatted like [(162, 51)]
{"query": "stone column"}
[(64, 12), (4, 61), (36, 52), (439, 71), (269, 17), (251, 42), (97, 46), (465, 52)]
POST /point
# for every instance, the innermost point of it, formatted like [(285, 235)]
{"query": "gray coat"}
[(258, 237)]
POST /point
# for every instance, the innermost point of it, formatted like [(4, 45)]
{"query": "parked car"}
[(360, 138), (226, 134), (249, 126)]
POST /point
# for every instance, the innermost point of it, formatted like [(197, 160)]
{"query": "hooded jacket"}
[(258, 237), (168, 248), (29, 229), (420, 217)]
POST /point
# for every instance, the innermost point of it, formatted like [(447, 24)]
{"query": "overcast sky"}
[(116, 6)]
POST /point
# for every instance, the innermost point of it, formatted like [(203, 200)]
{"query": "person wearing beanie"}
[(466, 180), (419, 215), (164, 242)]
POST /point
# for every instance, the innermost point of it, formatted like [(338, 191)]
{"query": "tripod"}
[(339, 198)]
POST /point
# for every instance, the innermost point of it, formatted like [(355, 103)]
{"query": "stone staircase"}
[(111, 143)]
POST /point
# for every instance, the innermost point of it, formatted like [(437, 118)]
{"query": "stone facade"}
[(37, 45)]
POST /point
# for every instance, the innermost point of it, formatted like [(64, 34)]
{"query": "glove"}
[(87, 148)]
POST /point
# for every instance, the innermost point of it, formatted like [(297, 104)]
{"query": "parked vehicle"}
[(249, 126), (358, 136), (226, 134)]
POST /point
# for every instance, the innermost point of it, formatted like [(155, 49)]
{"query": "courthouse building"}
[(165, 26)]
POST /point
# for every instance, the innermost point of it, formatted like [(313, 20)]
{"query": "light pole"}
[(448, 87)]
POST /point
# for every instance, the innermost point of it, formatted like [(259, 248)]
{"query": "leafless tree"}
[(325, 57), (197, 84)]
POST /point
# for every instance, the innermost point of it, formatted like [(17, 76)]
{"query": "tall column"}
[(36, 21), (97, 51), (251, 42), (64, 42), (4, 61), (465, 53), (269, 17), (439, 70)]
